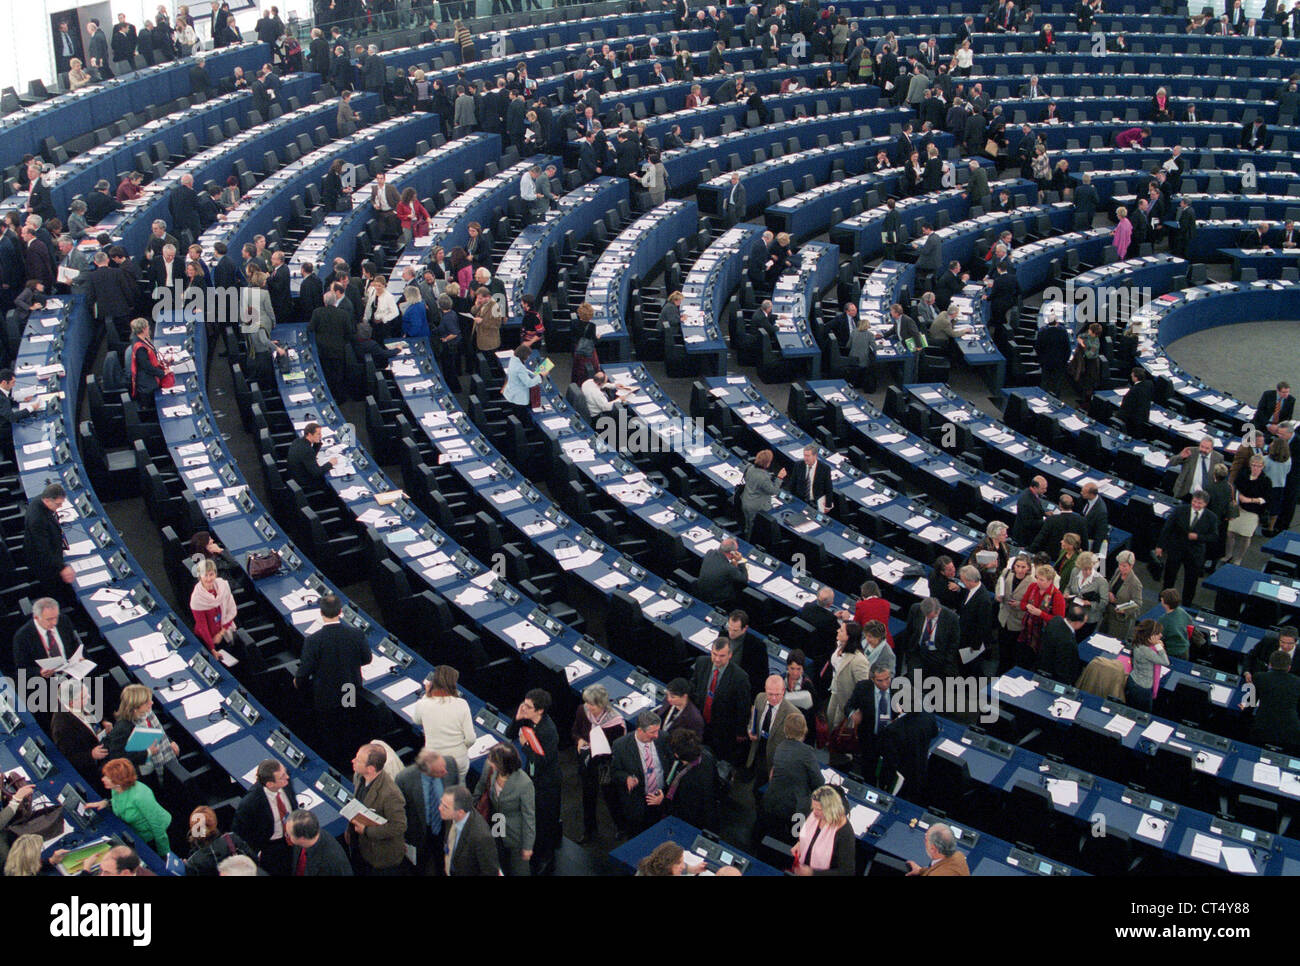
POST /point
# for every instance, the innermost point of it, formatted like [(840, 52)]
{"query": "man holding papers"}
[(377, 833), (331, 661), (45, 643), (810, 480)]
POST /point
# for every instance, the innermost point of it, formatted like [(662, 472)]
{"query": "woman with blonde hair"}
[(1009, 591), (826, 845), (135, 710), (1125, 588), (78, 77), (1071, 544), (255, 310), (1042, 601), (759, 486), (24, 857), (1252, 494), (1122, 237), (672, 310), (596, 726), (1088, 588), (380, 309), (445, 718), (487, 322)]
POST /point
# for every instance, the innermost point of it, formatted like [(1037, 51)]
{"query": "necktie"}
[(1196, 515), (811, 475), (1205, 469), (767, 723), (1277, 409), (51, 646), (651, 774), (929, 634), (281, 809), (708, 698), (882, 710), (301, 868), (452, 835)]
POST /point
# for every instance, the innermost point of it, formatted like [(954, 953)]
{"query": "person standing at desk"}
[(1148, 654), (931, 638), (678, 711), (135, 710), (303, 462), (445, 718), (945, 858), (43, 545), (213, 607), (520, 380), (826, 845), (262, 814), (332, 659), (1096, 517), (76, 728), (1174, 623), (640, 764), (767, 727), (759, 486), (470, 850), (1056, 526), (721, 690), (1276, 406), (134, 803), (1029, 512), (723, 574), (1277, 694), (1042, 602), (1197, 467), (1284, 642), (1135, 408), (811, 480)]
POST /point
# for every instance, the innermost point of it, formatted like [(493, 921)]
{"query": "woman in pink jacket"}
[(213, 607), (1123, 234)]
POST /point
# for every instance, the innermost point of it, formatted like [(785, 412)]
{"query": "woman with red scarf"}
[(1042, 601), (1161, 108), (147, 372)]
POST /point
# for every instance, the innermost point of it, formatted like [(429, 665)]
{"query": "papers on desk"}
[(1158, 732), (178, 691), (146, 650), (1073, 424), (577, 668), (862, 818), (788, 592), (378, 666), (1206, 848), (634, 703), (401, 688), (1120, 725), (120, 614), (1064, 709), (160, 670), (527, 634), (202, 704), (950, 747), (574, 561), (1266, 774), (1238, 859), (1014, 687), (539, 528), (470, 596), (1207, 762), (1110, 645), (1220, 693), (1152, 829), (297, 599), (1065, 794), (614, 578), (661, 607)]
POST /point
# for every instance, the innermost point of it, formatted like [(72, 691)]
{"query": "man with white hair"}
[(183, 203), (941, 847), (159, 236), (723, 574), (767, 727)]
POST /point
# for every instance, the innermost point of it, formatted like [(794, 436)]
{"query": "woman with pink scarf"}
[(213, 607), (826, 843)]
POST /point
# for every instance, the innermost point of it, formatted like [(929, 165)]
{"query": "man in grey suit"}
[(422, 784), (767, 727), (470, 850), (735, 204), (1197, 471), (640, 762), (929, 263)]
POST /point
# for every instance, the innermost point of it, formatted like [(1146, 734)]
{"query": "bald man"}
[(767, 727)]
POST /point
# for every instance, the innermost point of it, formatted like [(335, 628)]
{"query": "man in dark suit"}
[(261, 815), (1183, 541), (810, 480), (872, 710), (111, 291), (312, 851), (1052, 345), (302, 461), (277, 286), (1284, 641), (723, 574), (1275, 406), (903, 147), (39, 200), (225, 273), (1277, 695), (1197, 467), (1063, 521), (590, 158), (49, 634), (1058, 651), (43, 544), (183, 202), (311, 293), (332, 659), (470, 850), (825, 624), (1254, 136), (931, 639), (928, 261), (11, 413), (948, 285), (334, 328), (1135, 409), (423, 785), (100, 204), (678, 710), (977, 620), (748, 652), (640, 763), (721, 690), (1029, 512), (37, 260), (1096, 517)]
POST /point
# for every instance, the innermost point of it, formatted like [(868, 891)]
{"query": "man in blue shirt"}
[(423, 785)]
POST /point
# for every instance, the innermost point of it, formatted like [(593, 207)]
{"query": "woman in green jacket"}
[(133, 803)]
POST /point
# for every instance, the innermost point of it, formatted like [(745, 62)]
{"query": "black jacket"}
[(42, 541), (796, 481), (626, 762), (943, 660), (1174, 536), (334, 329), (326, 857), (1096, 523), (1029, 518), (99, 205), (1058, 653), (476, 851), (719, 580), (1264, 411), (254, 820), (977, 620), (729, 719), (1054, 528), (1276, 721), (184, 205), (698, 795), (302, 464), (28, 647), (332, 660), (1135, 409)]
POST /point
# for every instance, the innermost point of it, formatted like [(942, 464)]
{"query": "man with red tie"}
[(314, 852), (262, 813), (931, 639), (721, 690), (48, 634)]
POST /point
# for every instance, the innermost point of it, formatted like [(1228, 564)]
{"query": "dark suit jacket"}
[(719, 581), (332, 658), (75, 741), (311, 296), (1058, 654), (254, 820), (37, 262), (326, 857), (1174, 536), (226, 274), (626, 762), (1264, 411), (730, 717), (944, 659), (690, 718), (696, 801), (825, 626), (476, 852), (1054, 528), (277, 286), (977, 621), (184, 205), (1029, 518), (796, 481), (112, 291), (99, 205), (1096, 524), (302, 464), (334, 329), (42, 541), (28, 646), (410, 783), (1135, 409), (1263, 651), (1276, 721)]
